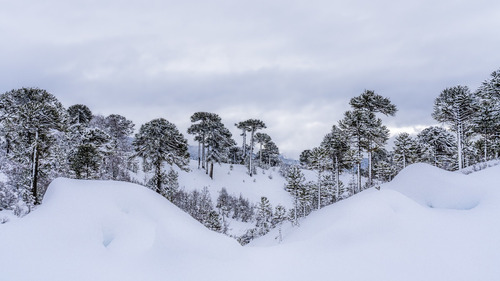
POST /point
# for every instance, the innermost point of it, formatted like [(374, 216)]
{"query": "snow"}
[(427, 224), (236, 180)]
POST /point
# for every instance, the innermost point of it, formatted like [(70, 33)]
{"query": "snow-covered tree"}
[(219, 141), (295, 183), (305, 158), (354, 126), (337, 145), (270, 153), (214, 139), (279, 216), (376, 135), (456, 106), (264, 216), (79, 114), (157, 142), (261, 139), (29, 118), (442, 146), (85, 162), (119, 161), (487, 118), (251, 125), (319, 163), (406, 149)]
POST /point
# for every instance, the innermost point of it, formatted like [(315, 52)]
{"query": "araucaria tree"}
[(30, 117), (214, 139), (456, 107), (375, 134), (406, 149), (157, 142), (319, 162), (262, 139), (442, 146), (336, 145), (251, 125), (487, 118), (295, 186)]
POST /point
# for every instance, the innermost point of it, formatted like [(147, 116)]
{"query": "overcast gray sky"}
[(292, 64)]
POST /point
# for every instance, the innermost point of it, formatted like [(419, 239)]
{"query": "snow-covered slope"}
[(266, 183), (425, 225), (102, 230)]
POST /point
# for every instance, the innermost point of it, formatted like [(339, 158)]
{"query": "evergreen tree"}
[(406, 149), (354, 126), (214, 137), (319, 162), (376, 135), (456, 106), (224, 205), (264, 216), (30, 117), (442, 146), (79, 114), (261, 139), (244, 129), (305, 158), (487, 118), (251, 125), (171, 185), (119, 160), (85, 162), (159, 141), (200, 129), (270, 153), (295, 184), (213, 222), (219, 142), (279, 216), (337, 145)]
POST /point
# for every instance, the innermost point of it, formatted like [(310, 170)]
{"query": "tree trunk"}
[(260, 155), (158, 177), (370, 168), (212, 170), (337, 180), (251, 153), (244, 148), (459, 146), (319, 190), (199, 155), (359, 176), (34, 179), (485, 149), (203, 151)]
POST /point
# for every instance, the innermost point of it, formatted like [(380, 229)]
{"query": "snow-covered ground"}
[(266, 183), (427, 224)]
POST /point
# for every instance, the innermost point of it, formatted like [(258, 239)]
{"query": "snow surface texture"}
[(427, 224)]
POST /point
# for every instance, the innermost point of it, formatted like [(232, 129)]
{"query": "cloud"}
[(293, 64)]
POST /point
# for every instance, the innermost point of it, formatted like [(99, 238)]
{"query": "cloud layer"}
[(293, 64)]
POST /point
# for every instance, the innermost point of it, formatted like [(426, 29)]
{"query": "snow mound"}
[(427, 224), (104, 226), (436, 188)]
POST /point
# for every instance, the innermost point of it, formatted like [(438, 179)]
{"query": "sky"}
[(293, 64)]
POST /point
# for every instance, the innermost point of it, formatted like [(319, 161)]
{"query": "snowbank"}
[(104, 230), (427, 224)]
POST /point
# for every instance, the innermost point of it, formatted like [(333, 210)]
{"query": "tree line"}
[(41, 140), (357, 145)]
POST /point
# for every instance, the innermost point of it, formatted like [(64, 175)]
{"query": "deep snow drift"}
[(427, 224)]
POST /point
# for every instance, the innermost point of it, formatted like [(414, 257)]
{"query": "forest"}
[(41, 140)]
